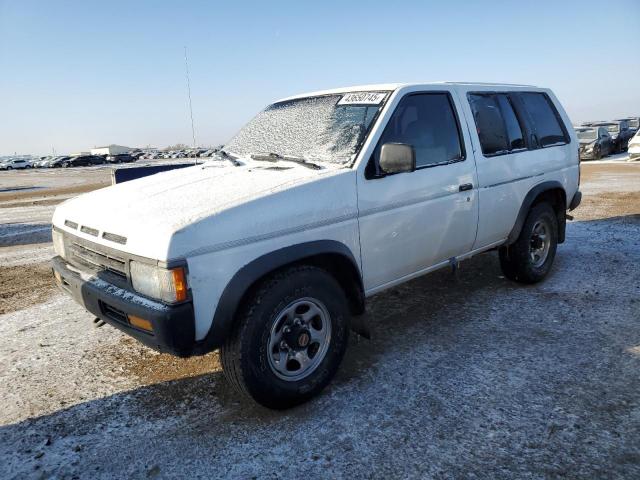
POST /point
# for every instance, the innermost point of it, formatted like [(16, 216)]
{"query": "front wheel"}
[(597, 153), (530, 258), (289, 338)]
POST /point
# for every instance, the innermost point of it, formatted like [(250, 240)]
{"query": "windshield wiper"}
[(228, 156), (275, 157)]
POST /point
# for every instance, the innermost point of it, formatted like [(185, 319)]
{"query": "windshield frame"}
[(388, 94)]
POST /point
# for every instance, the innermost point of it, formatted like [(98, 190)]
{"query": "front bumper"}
[(173, 326), (586, 156)]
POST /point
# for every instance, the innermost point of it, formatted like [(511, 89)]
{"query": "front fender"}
[(248, 275)]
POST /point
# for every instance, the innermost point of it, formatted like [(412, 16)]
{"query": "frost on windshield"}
[(313, 128)]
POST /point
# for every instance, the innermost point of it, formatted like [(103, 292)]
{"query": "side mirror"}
[(397, 158)]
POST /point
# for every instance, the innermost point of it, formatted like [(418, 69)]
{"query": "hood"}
[(161, 215)]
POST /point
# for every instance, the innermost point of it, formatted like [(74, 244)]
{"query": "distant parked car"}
[(209, 153), (595, 142), (83, 161), (41, 162), (16, 164), (57, 162), (634, 147), (120, 158), (634, 123), (620, 134)]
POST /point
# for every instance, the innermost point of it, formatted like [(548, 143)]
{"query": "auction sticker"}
[(362, 98)]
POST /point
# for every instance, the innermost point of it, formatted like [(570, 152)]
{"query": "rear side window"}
[(544, 118), (496, 123), (514, 130), (427, 122)]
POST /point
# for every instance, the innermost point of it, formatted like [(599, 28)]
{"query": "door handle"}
[(465, 186)]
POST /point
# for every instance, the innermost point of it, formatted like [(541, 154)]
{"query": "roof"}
[(393, 86)]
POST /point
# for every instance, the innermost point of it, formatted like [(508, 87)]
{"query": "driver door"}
[(412, 221)]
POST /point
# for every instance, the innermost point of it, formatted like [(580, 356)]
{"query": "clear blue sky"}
[(76, 74)]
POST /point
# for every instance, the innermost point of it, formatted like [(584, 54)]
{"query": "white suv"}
[(322, 200), (16, 164)]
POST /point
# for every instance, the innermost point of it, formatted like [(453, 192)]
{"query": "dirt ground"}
[(472, 377)]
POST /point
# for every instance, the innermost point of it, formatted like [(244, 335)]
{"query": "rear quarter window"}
[(544, 119), (498, 127)]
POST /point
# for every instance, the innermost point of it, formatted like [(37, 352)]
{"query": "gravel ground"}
[(470, 376)]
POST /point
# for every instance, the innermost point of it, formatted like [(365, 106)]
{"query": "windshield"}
[(612, 128), (587, 134), (634, 123), (329, 128)]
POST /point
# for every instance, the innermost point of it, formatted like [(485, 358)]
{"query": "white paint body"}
[(220, 218), (634, 144)]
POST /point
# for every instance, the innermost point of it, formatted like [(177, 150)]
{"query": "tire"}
[(597, 153), (9, 168), (528, 260), (251, 352)]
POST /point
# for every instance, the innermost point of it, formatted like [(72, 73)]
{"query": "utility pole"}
[(186, 67)]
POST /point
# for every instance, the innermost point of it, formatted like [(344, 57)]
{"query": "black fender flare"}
[(526, 206), (244, 278)]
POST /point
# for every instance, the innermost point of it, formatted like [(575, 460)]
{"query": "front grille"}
[(89, 230), (96, 260), (114, 238)]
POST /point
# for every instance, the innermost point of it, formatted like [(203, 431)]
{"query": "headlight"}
[(168, 285), (58, 243)]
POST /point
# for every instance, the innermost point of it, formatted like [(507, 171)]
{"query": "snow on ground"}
[(26, 254), (473, 377)]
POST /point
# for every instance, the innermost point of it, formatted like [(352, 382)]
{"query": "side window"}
[(514, 131), (602, 132), (545, 119), (496, 123), (426, 121)]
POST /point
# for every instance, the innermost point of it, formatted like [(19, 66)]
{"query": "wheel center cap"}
[(536, 243), (303, 339)]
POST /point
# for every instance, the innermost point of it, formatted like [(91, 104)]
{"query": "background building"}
[(110, 150)]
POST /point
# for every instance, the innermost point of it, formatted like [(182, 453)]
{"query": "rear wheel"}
[(530, 257), (289, 338)]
